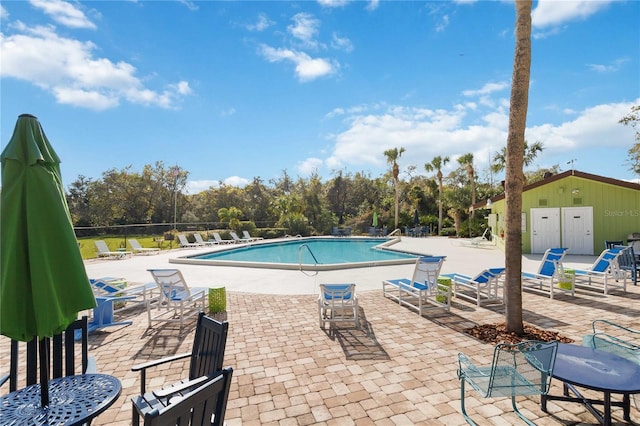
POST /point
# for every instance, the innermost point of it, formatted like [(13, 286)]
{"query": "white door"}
[(577, 229), (545, 229)]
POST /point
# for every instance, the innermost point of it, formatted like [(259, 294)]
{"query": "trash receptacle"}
[(566, 279), (217, 300), (446, 281)]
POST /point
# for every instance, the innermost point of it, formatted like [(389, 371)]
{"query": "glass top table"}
[(74, 400), (597, 370)]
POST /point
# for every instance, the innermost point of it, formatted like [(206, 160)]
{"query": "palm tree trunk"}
[(514, 180)]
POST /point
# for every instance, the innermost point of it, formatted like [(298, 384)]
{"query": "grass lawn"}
[(89, 250)]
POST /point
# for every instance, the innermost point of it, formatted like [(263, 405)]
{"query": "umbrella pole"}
[(44, 372)]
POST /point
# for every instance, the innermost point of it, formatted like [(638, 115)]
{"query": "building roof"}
[(559, 176)]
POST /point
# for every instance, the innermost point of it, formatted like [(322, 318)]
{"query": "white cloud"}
[(373, 5), (554, 13), (73, 75), (64, 13), (3, 13), (307, 68), (228, 112), (262, 24), (487, 89), (341, 43), (443, 24), (304, 28), (236, 181), (333, 3), (197, 186), (308, 166), (606, 68)]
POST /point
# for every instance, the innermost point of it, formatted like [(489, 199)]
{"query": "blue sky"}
[(231, 90)]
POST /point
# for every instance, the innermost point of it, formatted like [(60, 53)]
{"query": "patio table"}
[(74, 400), (597, 370)]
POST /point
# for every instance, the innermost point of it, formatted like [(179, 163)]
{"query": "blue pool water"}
[(308, 253)]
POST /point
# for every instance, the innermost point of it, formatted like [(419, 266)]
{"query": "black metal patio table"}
[(74, 400), (597, 370)]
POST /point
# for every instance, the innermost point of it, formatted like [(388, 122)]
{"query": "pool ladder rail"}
[(300, 257)]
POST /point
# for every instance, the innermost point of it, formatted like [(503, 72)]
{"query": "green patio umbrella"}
[(43, 282), (375, 220)]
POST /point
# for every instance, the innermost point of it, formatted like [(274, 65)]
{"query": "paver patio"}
[(397, 369)]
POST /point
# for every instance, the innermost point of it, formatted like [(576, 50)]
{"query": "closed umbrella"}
[(375, 220), (416, 218), (43, 282)]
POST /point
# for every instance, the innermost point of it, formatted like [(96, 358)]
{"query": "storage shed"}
[(572, 209)]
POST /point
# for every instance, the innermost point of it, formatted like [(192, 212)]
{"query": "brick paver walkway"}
[(397, 369)]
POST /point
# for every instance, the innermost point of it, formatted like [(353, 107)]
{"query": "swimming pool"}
[(312, 254)]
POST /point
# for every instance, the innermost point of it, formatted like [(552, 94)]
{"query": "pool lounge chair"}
[(239, 240), (184, 243), (248, 236), (137, 248), (550, 277), (422, 289), (103, 251), (200, 240), (482, 287), (603, 274), (218, 239)]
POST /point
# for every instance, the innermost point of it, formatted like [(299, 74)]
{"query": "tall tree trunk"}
[(514, 180), (439, 202)]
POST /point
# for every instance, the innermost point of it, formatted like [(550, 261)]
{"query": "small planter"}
[(444, 281), (217, 300)]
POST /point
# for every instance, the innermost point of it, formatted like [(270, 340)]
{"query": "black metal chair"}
[(609, 244), (627, 262), (54, 353), (204, 404), (207, 354)]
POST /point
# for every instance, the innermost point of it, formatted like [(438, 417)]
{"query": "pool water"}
[(308, 253)]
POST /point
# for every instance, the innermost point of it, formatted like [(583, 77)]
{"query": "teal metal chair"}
[(517, 369), (614, 338)]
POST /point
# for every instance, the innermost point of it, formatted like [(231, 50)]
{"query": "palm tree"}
[(514, 180), (437, 164), (530, 153), (392, 156), (467, 161)]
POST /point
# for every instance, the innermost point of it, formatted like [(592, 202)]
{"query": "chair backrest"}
[(246, 235), (134, 244), (234, 236), (170, 282), (102, 246), (209, 343), (198, 238), (524, 368), (550, 261), (183, 240), (205, 405), (60, 360), (605, 260), (427, 270), (612, 243), (626, 258), (217, 237), (338, 294)]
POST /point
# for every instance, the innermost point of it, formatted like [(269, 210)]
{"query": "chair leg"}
[(517, 411), (464, 411)]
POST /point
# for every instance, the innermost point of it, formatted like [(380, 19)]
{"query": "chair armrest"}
[(92, 367), (177, 388), (3, 379), (144, 366)]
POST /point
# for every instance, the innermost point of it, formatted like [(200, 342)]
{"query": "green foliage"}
[(295, 224), (448, 232)]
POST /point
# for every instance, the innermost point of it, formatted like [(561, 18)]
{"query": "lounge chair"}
[(550, 277), (422, 289), (239, 240), (481, 287), (186, 244), (248, 236), (220, 240), (517, 370), (200, 240), (177, 301), (103, 251), (603, 274), (137, 248), (337, 303)]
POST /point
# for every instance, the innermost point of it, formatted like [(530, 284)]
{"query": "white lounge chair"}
[(177, 301), (185, 243), (239, 240), (481, 287), (337, 303), (423, 288), (103, 251), (550, 277), (137, 248), (200, 240), (248, 236), (221, 240), (604, 273)]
